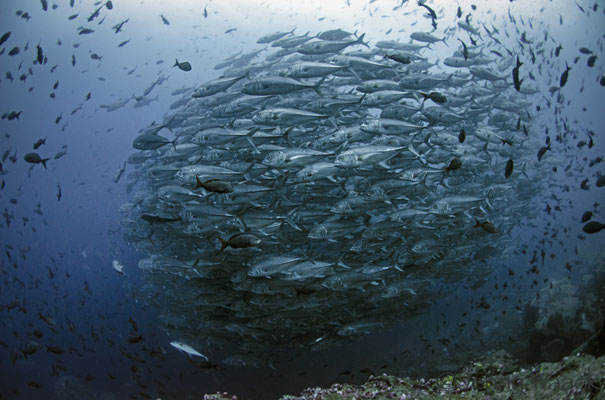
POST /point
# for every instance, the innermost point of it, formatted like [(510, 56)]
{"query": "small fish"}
[(164, 20), (34, 158), (39, 143), (117, 266), (155, 219), (187, 349), (584, 50), (13, 115), (124, 43), (591, 60), (118, 174), (239, 241), (59, 194), (455, 164), (4, 38), (429, 9), (435, 97), (516, 81), (564, 76), (14, 51), (485, 225), (39, 54), (85, 31), (558, 50), (183, 66), (230, 30), (118, 27), (461, 136), (586, 216), (542, 151), (399, 58), (213, 185), (593, 227), (205, 13), (464, 50), (508, 171), (95, 56)]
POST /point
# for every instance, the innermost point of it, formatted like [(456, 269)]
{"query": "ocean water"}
[(73, 326)]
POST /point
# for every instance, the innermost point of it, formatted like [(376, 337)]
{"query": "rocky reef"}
[(496, 376)]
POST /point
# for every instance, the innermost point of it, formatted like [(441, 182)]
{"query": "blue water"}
[(58, 262)]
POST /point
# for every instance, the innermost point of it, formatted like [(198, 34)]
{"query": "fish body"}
[(508, 170), (586, 216), (593, 227), (13, 115), (426, 37), (285, 116), (543, 151), (213, 185), (34, 158), (274, 36), (187, 349), (327, 47), (150, 141), (216, 86), (5, 37), (239, 241), (275, 85), (183, 66), (39, 143), (516, 81), (564, 76), (435, 97)]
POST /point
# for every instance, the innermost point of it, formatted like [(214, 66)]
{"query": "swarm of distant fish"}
[(329, 189)]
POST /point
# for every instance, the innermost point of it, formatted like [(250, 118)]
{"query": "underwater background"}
[(85, 316)]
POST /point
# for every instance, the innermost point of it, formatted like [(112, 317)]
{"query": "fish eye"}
[(340, 158), (269, 157)]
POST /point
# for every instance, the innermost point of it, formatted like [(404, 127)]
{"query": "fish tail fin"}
[(351, 70), (224, 244), (246, 173), (360, 40), (176, 63), (44, 160), (198, 183), (174, 142), (477, 223), (426, 96), (316, 86)]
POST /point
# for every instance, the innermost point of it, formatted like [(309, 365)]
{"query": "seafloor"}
[(496, 376)]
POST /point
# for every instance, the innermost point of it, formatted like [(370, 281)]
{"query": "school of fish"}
[(323, 187)]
